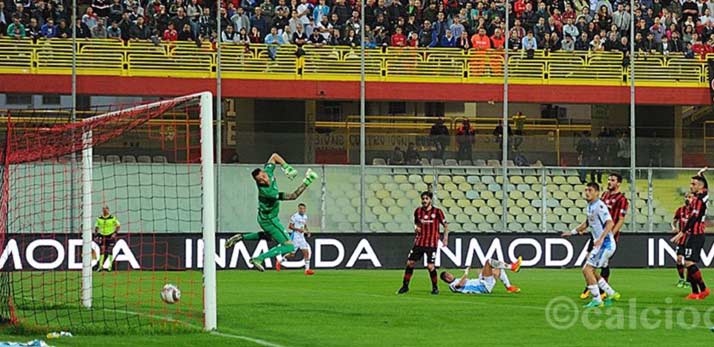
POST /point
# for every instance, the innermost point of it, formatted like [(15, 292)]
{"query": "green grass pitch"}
[(360, 308)]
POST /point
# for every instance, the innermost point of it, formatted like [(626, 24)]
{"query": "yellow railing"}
[(434, 65)]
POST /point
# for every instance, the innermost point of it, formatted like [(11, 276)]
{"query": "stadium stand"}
[(471, 199), (666, 27)]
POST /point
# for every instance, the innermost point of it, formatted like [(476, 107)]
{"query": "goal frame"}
[(208, 201)]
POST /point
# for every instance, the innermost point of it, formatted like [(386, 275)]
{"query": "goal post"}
[(161, 206)]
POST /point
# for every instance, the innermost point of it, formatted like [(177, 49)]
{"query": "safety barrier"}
[(389, 64)]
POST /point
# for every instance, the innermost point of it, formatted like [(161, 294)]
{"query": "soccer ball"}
[(170, 294)]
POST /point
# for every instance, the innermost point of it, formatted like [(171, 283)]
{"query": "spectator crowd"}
[(664, 26)]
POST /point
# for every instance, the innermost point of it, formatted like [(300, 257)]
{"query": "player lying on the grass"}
[(617, 205), (679, 239), (601, 224), (694, 231), (298, 232), (486, 278), (105, 231), (269, 198)]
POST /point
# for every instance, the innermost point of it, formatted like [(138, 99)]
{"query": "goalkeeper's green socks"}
[(100, 265), (275, 251)]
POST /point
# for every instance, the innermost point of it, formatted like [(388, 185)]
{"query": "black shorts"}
[(418, 251), (679, 250), (106, 243), (693, 247)]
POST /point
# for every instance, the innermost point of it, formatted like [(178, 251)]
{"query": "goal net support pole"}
[(208, 201), (209, 212), (87, 219)]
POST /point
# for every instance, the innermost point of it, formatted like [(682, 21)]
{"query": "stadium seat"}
[(143, 159), (494, 187), (437, 162), (444, 179), (465, 163), (379, 161), (515, 227), (113, 159), (515, 179), (451, 162), (424, 162), (480, 163), (493, 163), (128, 159), (97, 158), (488, 179), (477, 218), (159, 159), (458, 179), (574, 180), (531, 180)]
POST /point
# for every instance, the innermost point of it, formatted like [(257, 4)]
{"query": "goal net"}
[(151, 166)]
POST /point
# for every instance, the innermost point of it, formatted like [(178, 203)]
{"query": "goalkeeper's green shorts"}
[(273, 228)]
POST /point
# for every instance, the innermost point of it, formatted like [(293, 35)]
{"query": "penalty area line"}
[(215, 333)]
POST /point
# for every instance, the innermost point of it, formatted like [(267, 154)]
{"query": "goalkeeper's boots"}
[(515, 267), (257, 264), (513, 289), (310, 176), (233, 240), (309, 272), (403, 290), (594, 304), (277, 265), (289, 171), (585, 295), (435, 291)]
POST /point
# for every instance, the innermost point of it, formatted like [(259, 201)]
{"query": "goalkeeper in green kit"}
[(269, 198)]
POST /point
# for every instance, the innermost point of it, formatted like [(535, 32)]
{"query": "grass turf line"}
[(359, 308)]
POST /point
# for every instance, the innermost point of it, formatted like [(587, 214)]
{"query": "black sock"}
[(680, 271), (692, 273), (434, 278), (586, 290), (605, 273), (697, 277), (407, 276)]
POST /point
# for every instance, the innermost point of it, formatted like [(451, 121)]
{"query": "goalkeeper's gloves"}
[(289, 171), (310, 176)]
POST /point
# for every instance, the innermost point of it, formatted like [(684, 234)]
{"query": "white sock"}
[(497, 264), (307, 264), (605, 286), (504, 278), (595, 291)]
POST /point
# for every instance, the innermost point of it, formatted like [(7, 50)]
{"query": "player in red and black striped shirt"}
[(694, 230), (678, 223), (427, 222), (617, 205)]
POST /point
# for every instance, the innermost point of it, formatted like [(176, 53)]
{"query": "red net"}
[(152, 192)]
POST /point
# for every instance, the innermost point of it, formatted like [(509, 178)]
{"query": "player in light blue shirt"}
[(486, 278), (601, 224)]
